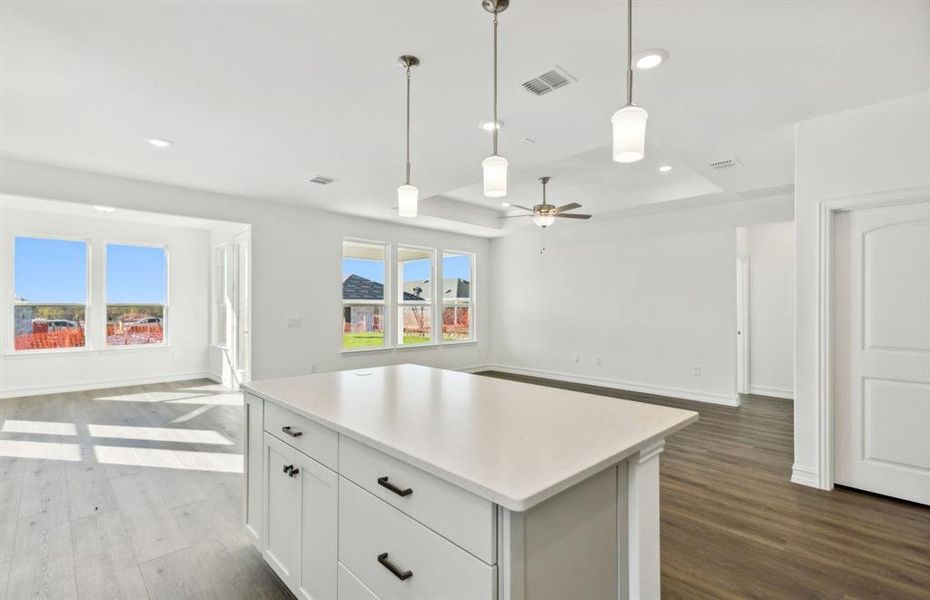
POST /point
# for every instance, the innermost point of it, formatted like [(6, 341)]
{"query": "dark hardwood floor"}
[(733, 526)]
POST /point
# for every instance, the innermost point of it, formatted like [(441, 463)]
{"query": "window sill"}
[(407, 347), (49, 352), (460, 343), (135, 348)]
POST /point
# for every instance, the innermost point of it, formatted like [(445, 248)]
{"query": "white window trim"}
[(393, 302), (399, 303), (384, 303), (11, 350), (216, 295), (472, 316), (165, 313)]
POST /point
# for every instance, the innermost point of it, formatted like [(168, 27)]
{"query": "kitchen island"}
[(414, 482)]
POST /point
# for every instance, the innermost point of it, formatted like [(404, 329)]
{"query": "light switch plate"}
[(294, 322)]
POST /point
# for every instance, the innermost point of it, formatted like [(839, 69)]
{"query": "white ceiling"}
[(258, 97)]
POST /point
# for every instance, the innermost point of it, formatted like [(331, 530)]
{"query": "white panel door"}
[(282, 509), (319, 510), (881, 352)]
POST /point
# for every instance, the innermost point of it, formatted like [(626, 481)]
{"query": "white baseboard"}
[(39, 390), (631, 386), (774, 392), (805, 476)]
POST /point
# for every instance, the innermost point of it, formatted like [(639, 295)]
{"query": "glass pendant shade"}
[(629, 127), (495, 176), (543, 220), (407, 196)]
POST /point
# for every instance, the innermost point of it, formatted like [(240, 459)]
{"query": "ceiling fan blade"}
[(514, 216), (565, 207), (521, 207), (571, 216)]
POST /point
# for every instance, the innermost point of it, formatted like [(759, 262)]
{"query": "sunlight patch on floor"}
[(41, 427), (155, 397), (233, 399), (159, 434), (169, 459), (40, 450)]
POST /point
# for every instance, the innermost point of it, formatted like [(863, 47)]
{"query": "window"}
[(137, 294), (363, 275), (414, 296), (457, 306), (219, 296), (49, 293)]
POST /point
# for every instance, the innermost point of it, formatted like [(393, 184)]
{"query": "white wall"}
[(185, 356), (876, 148), (652, 296), (771, 309), (296, 265)]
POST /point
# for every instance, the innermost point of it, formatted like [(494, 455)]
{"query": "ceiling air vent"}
[(322, 180), (768, 192), (552, 79), (724, 164)]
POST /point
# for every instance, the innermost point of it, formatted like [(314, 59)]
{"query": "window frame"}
[(11, 350), (398, 303), (165, 313), (472, 312), (384, 303)]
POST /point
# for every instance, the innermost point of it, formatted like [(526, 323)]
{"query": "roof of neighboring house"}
[(356, 287)]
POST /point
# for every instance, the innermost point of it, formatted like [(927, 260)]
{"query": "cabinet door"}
[(318, 529), (253, 428), (282, 509)]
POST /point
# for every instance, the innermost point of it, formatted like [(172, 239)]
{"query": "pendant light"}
[(494, 167), (629, 123), (407, 194)]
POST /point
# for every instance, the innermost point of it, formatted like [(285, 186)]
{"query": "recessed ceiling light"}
[(505, 204), (665, 168), (650, 59), (491, 125), (106, 209), (159, 143)]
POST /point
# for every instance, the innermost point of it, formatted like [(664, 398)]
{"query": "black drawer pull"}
[(383, 482), (287, 469), (402, 575), (294, 472), (287, 429)]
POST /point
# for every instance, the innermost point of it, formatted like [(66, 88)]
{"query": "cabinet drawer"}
[(350, 588), (380, 545), (314, 440), (466, 519)]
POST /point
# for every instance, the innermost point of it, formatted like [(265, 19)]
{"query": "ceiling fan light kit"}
[(629, 123), (494, 167), (408, 195)]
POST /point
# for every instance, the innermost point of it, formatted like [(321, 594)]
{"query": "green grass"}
[(374, 340)]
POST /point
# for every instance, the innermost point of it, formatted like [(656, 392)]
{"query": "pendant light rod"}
[(495, 7), (629, 52), (408, 62)]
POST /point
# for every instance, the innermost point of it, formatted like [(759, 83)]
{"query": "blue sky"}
[(48, 270), (415, 270)]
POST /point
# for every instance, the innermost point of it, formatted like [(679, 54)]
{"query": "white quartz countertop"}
[(513, 443)]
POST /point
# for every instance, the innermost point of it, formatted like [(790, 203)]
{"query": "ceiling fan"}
[(545, 214)]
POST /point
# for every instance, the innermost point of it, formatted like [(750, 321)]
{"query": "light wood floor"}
[(126, 493), (733, 526), (150, 507)]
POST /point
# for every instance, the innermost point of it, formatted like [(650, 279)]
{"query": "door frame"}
[(827, 209), (742, 311)]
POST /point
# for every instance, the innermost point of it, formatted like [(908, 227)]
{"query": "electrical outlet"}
[(696, 370), (577, 358), (598, 361), (314, 368), (294, 322)]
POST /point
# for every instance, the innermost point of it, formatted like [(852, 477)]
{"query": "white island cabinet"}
[(409, 482)]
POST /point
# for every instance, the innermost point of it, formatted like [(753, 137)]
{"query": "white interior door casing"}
[(881, 350)]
